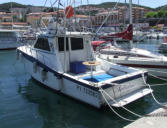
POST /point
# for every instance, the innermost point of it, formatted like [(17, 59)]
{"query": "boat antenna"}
[(57, 16), (45, 3), (125, 13), (131, 20), (65, 20)]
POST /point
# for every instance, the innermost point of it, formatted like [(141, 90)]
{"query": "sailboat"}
[(64, 61), (133, 57)]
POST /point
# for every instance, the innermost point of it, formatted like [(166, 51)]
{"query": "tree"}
[(161, 13), (150, 14), (158, 14)]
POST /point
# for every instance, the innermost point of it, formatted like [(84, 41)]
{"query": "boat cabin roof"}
[(68, 34)]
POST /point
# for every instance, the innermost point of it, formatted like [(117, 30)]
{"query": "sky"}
[(149, 3)]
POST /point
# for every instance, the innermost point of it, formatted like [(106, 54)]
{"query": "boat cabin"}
[(78, 49)]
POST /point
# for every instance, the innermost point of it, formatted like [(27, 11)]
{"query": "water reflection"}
[(25, 104), (60, 111)]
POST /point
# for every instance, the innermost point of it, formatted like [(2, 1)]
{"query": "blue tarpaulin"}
[(98, 78)]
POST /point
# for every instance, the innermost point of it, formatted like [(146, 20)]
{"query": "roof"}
[(56, 12), (46, 13), (81, 16), (35, 13), (35, 17), (7, 17), (106, 13), (14, 23)]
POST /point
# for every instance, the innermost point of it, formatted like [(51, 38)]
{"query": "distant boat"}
[(9, 39), (163, 45)]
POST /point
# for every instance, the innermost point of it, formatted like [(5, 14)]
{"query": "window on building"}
[(61, 43), (76, 43), (42, 43)]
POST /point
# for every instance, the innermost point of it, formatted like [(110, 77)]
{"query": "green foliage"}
[(150, 14), (157, 14)]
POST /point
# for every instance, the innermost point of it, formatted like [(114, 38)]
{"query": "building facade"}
[(119, 16)]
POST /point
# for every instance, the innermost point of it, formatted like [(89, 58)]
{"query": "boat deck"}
[(134, 59), (98, 76), (157, 119)]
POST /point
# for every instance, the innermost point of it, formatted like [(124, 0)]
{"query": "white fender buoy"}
[(21, 57), (35, 67), (17, 55), (44, 75)]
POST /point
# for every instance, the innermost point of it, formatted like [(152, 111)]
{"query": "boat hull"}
[(154, 66), (71, 87)]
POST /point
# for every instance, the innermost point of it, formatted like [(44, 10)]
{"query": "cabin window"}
[(42, 43), (61, 43), (76, 43)]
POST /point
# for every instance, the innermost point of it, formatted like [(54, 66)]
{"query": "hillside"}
[(162, 7), (112, 4), (7, 6)]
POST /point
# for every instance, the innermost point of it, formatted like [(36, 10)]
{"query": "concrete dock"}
[(156, 119)]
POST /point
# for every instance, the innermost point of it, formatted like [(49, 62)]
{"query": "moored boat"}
[(64, 61), (163, 45)]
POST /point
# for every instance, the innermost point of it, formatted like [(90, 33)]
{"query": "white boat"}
[(9, 39), (133, 57), (72, 69), (163, 46), (156, 35)]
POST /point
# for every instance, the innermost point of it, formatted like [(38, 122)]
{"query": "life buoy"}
[(69, 12), (21, 58)]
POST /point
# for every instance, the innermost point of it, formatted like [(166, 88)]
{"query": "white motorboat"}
[(64, 61), (163, 46), (9, 39)]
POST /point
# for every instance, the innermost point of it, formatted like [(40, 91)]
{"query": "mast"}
[(12, 13), (130, 20), (125, 13), (65, 20)]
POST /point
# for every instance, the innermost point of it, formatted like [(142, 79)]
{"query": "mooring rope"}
[(138, 115), (164, 84), (161, 104), (124, 118), (157, 77), (121, 105)]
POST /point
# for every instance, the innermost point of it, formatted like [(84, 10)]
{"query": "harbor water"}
[(25, 103)]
